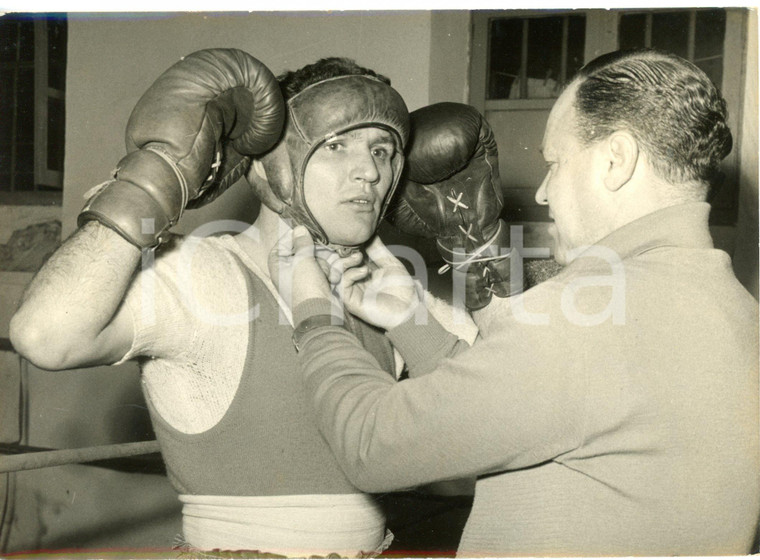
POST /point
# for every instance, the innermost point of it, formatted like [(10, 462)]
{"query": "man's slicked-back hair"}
[(293, 82), (669, 105)]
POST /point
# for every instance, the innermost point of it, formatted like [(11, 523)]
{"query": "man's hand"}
[(300, 271), (381, 291)]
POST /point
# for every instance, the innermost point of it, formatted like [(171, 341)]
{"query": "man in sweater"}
[(611, 410)]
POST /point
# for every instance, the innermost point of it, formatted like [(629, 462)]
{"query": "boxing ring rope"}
[(58, 457), (18, 456)]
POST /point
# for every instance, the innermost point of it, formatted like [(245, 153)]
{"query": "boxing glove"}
[(451, 192), (189, 138)]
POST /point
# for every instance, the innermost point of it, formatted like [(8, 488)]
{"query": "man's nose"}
[(541, 193), (364, 167)]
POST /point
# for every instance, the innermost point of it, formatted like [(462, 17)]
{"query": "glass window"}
[(32, 101), (55, 133), (533, 57), (57, 32), (710, 32), (696, 35)]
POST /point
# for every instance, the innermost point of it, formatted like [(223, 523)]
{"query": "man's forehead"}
[(561, 118)]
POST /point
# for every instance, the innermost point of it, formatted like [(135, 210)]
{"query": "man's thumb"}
[(303, 244)]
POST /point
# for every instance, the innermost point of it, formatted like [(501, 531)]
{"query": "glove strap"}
[(462, 260), (143, 201), (129, 211), (180, 177)]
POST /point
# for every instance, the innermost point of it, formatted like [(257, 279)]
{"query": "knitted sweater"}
[(612, 410)]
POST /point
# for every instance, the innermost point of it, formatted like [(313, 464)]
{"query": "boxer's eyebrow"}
[(380, 136)]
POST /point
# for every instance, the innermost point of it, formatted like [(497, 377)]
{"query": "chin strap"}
[(342, 250)]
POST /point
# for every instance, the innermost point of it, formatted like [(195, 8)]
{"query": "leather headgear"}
[(316, 114)]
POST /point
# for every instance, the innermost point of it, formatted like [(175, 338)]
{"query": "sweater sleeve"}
[(498, 405), (424, 345), (154, 300), (192, 289)]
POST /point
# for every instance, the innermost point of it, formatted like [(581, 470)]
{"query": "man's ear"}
[(622, 155)]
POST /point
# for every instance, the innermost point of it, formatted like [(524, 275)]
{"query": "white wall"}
[(449, 56)]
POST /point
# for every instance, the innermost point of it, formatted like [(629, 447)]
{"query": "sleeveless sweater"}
[(266, 443)]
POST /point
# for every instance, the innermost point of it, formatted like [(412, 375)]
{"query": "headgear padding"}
[(315, 115)]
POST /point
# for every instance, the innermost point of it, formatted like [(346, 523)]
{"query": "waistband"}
[(349, 525)]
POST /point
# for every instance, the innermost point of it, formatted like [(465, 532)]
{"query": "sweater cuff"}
[(311, 307), (419, 343)]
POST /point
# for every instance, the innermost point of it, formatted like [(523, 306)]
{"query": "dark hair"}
[(293, 82), (670, 106)]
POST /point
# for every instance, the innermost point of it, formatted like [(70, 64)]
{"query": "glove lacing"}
[(475, 256)]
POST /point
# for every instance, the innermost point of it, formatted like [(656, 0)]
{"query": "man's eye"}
[(382, 152), (333, 146)]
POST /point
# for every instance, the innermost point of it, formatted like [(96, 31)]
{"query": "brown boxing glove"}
[(451, 192), (189, 138)]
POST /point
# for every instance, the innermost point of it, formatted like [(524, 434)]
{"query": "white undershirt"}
[(293, 526)]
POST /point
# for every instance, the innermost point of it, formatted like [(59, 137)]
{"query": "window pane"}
[(24, 182), (576, 45), (8, 39), (57, 31), (18, 77), (26, 40), (670, 32), (545, 69), (504, 56), (16, 38), (56, 133), (544, 56), (7, 100), (25, 157), (5, 163), (25, 106), (708, 48), (631, 32), (23, 176)]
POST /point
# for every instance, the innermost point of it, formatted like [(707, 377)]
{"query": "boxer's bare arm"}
[(71, 314)]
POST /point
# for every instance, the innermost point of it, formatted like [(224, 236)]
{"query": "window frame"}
[(43, 176), (42, 92), (602, 28)]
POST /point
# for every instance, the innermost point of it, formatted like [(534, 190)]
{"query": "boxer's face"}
[(346, 181)]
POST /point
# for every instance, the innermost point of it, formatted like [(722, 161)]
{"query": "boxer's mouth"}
[(362, 202)]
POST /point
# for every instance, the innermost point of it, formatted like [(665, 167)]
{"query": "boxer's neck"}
[(262, 236), (259, 239)]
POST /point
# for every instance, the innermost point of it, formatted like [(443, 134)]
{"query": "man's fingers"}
[(351, 261), (303, 244), (337, 266), (326, 270), (354, 275), (284, 246), (379, 253)]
